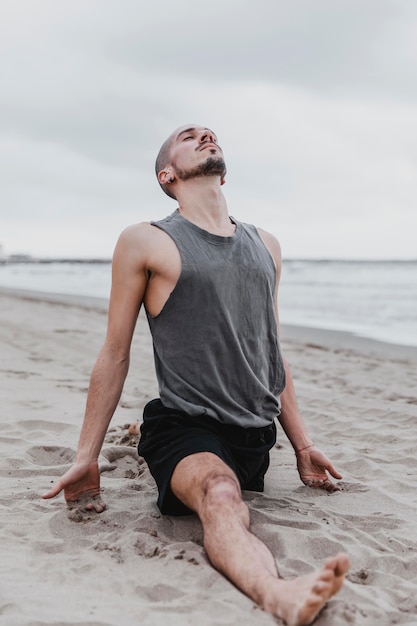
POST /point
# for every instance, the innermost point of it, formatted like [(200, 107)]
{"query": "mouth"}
[(208, 145)]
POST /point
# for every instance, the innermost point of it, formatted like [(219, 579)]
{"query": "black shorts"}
[(168, 435)]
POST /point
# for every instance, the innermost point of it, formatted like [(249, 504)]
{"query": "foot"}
[(299, 601)]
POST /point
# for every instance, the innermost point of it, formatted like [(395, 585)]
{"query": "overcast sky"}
[(314, 103)]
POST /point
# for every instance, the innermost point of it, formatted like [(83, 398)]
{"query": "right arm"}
[(81, 483)]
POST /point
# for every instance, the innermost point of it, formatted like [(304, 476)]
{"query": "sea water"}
[(367, 298), (376, 299)]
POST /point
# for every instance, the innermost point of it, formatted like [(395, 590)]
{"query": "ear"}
[(222, 180), (166, 176)]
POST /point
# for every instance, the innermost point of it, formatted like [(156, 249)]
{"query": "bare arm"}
[(129, 282), (129, 279), (312, 464)]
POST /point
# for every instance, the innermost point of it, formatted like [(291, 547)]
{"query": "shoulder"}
[(134, 244), (143, 246), (136, 232), (139, 237)]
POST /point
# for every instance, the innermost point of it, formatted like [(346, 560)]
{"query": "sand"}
[(130, 565)]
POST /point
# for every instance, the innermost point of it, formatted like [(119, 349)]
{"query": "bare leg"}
[(209, 487)]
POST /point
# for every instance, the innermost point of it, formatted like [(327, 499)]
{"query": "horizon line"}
[(27, 258)]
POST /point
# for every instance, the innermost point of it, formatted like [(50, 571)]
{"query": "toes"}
[(342, 565), (339, 564), (320, 587)]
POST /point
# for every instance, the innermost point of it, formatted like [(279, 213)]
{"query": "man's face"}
[(195, 152)]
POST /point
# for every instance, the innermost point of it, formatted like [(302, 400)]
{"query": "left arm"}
[(312, 464)]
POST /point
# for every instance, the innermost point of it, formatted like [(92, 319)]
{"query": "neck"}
[(203, 203)]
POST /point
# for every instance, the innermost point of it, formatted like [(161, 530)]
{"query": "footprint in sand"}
[(41, 461), (50, 455), (159, 593)]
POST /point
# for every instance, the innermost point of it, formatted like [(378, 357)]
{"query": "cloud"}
[(314, 104)]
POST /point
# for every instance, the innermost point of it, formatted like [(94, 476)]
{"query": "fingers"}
[(87, 503), (325, 484), (98, 507), (54, 491), (333, 471), (316, 476), (324, 465), (330, 487)]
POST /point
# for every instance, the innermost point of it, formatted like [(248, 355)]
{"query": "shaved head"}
[(213, 166)]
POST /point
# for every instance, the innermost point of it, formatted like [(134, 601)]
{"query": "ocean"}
[(375, 299)]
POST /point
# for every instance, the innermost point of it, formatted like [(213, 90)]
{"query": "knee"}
[(222, 492), (221, 487)]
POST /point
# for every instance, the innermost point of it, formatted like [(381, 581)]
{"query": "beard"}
[(212, 166)]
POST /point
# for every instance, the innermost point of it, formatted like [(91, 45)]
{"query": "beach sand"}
[(130, 565)]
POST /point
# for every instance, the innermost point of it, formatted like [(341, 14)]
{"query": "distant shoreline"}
[(27, 261), (24, 259)]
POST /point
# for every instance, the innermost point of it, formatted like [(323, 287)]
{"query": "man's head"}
[(191, 151)]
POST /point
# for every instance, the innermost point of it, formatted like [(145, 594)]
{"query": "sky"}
[(314, 103)]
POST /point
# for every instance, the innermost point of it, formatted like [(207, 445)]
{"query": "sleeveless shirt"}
[(215, 341)]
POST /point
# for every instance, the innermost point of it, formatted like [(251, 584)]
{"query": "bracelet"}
[(305, 448)]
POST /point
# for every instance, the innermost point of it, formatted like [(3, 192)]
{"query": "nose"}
[(207, 136)]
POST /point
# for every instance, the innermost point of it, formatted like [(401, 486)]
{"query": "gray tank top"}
[(215, 341)]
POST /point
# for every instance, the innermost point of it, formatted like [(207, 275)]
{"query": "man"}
[(209, 286)]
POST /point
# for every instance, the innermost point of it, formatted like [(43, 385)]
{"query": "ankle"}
[(269, 594)]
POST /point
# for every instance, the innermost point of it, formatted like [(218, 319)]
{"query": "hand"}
[(81, 485), (312, 466)]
